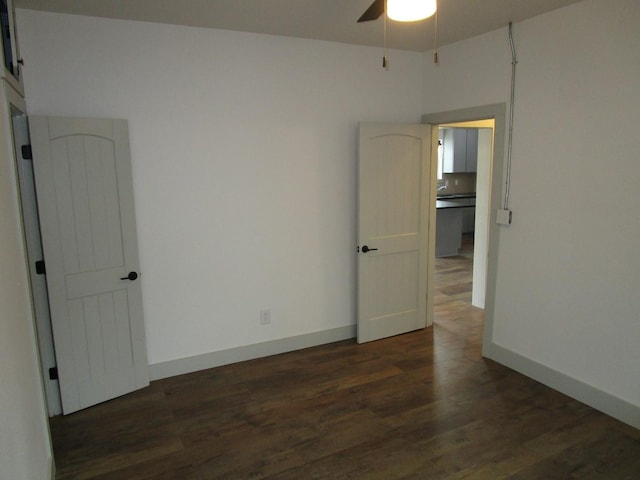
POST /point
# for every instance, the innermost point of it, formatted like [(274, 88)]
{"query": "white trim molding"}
[(605, 402), (249, 352)]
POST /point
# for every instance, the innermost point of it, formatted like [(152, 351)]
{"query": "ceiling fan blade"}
[(373, 12)]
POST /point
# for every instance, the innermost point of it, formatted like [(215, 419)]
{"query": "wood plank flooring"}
[(424, 405)]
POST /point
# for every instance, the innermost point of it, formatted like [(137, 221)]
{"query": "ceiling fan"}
[(373, 12), (402, 11)]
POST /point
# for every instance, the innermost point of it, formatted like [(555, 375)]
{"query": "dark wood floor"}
[(419, 406)]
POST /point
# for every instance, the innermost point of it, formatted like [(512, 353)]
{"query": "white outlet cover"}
[(504, 217)]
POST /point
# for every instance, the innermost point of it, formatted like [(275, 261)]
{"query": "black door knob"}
[(366, 249), (132, 276)]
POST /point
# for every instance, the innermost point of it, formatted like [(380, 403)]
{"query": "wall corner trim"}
[(249, 352), (52, 468), (600, 400)]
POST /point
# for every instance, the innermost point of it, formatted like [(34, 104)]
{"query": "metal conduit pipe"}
[(514, 61)]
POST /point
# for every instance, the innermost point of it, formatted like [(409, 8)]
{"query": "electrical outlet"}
[(265, 317), (504, 217)]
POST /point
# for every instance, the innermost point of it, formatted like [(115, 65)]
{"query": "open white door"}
[(85, 197), (394, 172)]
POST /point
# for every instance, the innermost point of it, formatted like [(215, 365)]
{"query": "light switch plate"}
[(504, 217)]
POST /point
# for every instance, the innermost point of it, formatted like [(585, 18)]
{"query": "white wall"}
[(244, 153), (568, 267), (25, 447)]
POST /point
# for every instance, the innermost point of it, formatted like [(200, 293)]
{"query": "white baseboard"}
[(249, 352), (52, 468), (615, 407)]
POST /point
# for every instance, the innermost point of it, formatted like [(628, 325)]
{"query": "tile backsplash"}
[(457, 183)]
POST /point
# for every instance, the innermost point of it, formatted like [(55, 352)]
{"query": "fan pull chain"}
[(385, 63), (435, 39)]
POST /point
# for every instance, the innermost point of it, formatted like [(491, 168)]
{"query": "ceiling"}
[(332, 20)]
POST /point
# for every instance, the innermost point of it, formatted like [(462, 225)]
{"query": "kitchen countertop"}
[(456, 201)]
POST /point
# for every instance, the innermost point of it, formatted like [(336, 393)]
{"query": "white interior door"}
[(85, 196), (394, 174)]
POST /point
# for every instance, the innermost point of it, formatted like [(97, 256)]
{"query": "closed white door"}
[(85, 196), (394, 174)]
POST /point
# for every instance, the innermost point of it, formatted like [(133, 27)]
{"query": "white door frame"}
[(31, 237), (498, 113)]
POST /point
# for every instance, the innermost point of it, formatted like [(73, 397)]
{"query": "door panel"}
[(84, 186), (393, 217)]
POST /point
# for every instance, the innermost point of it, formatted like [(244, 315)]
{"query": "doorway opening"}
[(491, 173), (465, 159)]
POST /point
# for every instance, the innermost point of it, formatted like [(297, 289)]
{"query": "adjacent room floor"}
[(416, 406)]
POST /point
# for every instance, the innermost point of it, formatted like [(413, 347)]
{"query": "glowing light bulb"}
[(410, 10)]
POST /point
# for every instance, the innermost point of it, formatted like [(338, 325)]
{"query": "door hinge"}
[(53, 373), (27, 153), (40, 268)]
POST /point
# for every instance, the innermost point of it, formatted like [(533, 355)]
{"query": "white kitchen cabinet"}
[(460, 150), (468, 220), (471, 151), (453, 156), (11, 68), (448, 231)]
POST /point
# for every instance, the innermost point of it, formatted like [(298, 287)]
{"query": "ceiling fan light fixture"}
[(410, 10)]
